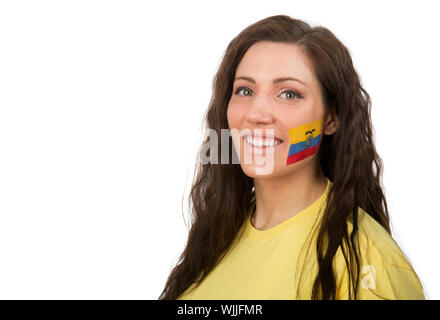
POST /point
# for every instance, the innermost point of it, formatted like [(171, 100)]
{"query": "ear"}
[(331, 122)]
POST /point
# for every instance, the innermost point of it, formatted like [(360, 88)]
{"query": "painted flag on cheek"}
[(304, 141)]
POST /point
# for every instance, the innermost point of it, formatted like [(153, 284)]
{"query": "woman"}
[(314, 226)]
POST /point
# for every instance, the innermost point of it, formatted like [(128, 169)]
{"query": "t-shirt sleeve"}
[(385, 274), (385, 282)]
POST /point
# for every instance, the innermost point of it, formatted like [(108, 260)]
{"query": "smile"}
[(258, 142)]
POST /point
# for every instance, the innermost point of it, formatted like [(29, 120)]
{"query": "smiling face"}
[(274, 88)]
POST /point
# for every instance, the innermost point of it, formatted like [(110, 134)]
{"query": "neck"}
[(278, 199)]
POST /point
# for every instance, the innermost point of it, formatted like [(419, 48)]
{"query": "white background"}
[(101, 106)]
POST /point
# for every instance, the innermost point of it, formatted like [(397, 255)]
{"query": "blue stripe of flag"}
[(300, 146)]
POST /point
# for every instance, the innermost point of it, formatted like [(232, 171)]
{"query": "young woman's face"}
[(257, 102)]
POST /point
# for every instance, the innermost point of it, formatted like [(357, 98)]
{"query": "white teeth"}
[(260, 142)]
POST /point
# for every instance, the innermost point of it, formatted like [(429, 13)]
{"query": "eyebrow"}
[(275, 81)]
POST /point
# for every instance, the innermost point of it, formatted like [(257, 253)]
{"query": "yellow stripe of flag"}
[(298, 134)]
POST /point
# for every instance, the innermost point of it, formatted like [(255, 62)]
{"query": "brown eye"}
[(246, 89)]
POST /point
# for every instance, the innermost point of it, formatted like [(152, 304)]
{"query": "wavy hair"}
[(221, 194)]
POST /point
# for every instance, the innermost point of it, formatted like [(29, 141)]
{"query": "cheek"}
[(304, 141), (234, 115)]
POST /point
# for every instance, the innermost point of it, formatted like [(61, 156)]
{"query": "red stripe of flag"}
[(301, 155)]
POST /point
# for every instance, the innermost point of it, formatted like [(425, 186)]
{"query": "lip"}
[(262, 149), (263, 136)]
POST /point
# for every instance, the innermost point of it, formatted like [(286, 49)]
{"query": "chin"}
[(259, 171)]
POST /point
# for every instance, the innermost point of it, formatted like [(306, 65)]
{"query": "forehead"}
[(264, 61)]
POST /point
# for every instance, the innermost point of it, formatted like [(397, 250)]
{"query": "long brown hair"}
[(221, 193)]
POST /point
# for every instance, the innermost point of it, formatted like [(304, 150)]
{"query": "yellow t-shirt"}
[(275, 264)]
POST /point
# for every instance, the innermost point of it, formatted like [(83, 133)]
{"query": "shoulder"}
[(385, 272), (376, 243)]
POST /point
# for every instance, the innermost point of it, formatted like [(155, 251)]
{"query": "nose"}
[(260, 111)]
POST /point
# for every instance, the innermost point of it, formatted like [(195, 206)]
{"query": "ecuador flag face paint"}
[(304, 141)]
